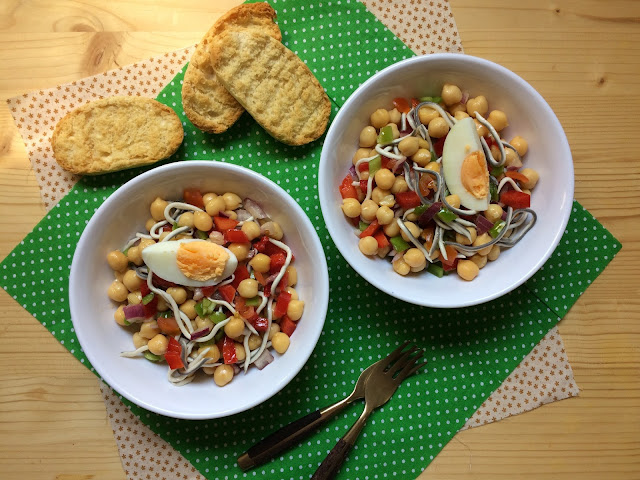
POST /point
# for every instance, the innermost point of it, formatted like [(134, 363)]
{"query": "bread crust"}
[(206, 102), (272, 84), (116, 133)]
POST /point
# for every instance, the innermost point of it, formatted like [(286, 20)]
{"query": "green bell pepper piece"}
[(497, 171), (497, 228), (436, 270), (152, 357), (431, 99), (446, 215), (147, 298), (202, 235), (493, 191), (254, 302), (398, 243), (362, 226), (217, 317), (375, 165), (386, 135)]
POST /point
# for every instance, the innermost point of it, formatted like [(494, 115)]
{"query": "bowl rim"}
[(320, 275), (324, 175)]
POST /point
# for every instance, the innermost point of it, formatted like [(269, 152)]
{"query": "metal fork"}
[(291, 434), (384, 379)]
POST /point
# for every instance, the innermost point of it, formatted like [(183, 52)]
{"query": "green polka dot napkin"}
[(470, 351)]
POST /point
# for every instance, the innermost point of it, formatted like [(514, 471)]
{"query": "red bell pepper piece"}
[(235, 236), (382, 239), (363, 167), (287, 325), (243, 310), (265, 246), (151, 308), (282, 304), (208, 291), (228, 292), (515, 199), (261, 324), (438, 145), (277, 262), (452, 260), (193, 197), (408, 200), (371, 230), (173, 355), (414, 102), (384, 162), (241, 273), (347, 190), (229, 351), (401, 104), (517, 176), (174, 346), (224, 223), (168, 325), (364, 184), (144, 289)]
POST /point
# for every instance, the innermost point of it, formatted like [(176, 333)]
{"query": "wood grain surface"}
[(582, 56)]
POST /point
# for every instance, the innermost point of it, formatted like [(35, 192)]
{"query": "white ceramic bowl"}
[(529, 116), (144, 382)]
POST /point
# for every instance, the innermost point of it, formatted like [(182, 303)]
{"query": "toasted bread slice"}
[(208, 105), (116, 133), (272, 84)]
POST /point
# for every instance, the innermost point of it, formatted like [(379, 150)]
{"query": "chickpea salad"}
[(434, 186), (208, 286)]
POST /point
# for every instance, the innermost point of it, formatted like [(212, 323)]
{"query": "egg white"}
[(462, 140), (161, 259)]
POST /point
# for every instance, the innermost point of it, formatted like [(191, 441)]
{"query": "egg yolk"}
[(201, 261), (475, 175)]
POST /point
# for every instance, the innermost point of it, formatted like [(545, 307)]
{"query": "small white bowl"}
[(143, 382), (529, 116)]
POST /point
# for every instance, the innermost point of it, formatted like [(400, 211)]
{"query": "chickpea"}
[(395, 116), (240, 250), (479, 260), (157, 209), (458, 107), (117, 261), (203, 322), (395, 133), (426, 114), (158, 344), (511, 158), (188, 308), (438, 127), (296, 307), (149, 224), (399, 185), (377, 195), (213, 354), (422, 143), (273, 230), (134, 255), (292, 291), (222, 375), (498, 120), (379, 118), (241, 353), (460, 115), (186, 220), (414, 257), (392, 229), (494, 253), (422, 157), (369, 209), (231, 201), (368, 245), (234, 327), (493, 213), (520, 144), (450, 94), (131, 280), (533, 177), (163, 235), (351, 207), (368, 137), (275, 328), (420, 267), (495, 153), (139, 340), (202, 221), (453, 200), (119, 317), (149, 329), (401, 267), (215, 206), (384, 178), (292, 275), (145, 242), (478, 104), (467, 270), (360, 154), (134, 298), (413, 228), (248, 288), (254, 341), (433, 166), (280, 342), (364, 176), (260, 263), (207, 197), (481, 129), (117, 291), (461, 239), (481, 240), (251, 230), (231, 214), (179, 294), (409, 146), (384, 215), (163, 306)]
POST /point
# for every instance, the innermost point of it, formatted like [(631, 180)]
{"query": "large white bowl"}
[(143, 382), (529, 116)]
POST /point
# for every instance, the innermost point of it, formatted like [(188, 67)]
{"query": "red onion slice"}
[(483, 225), (254, 209), (133, 313), (429, 213), (201, 332), (263, 360)]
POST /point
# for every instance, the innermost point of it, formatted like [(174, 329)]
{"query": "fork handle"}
[(288, 436)]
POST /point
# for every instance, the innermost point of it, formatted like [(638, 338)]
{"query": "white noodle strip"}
[(130, 243), (407, 213), (450, 121), (369, 189), (247, 353), (178, 315), (136, 353), (403, 121), (494, 134), (410, 120), (358, 163), (263, 303), (143, 235), (239, 224), (178, 206), (249, 326), (414, 240), (464, 222), (443, 251), (506, 180), (265, 337), (389, 154), (223, 303), (213, 332), (441, 224), (227, 282), (174, 233), (154, 230), (195, 361), (287, 261)]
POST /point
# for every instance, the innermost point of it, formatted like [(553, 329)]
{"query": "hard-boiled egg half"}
[(190, 262), (465, 167)]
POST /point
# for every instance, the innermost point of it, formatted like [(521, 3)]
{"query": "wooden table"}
[(582, 56)]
